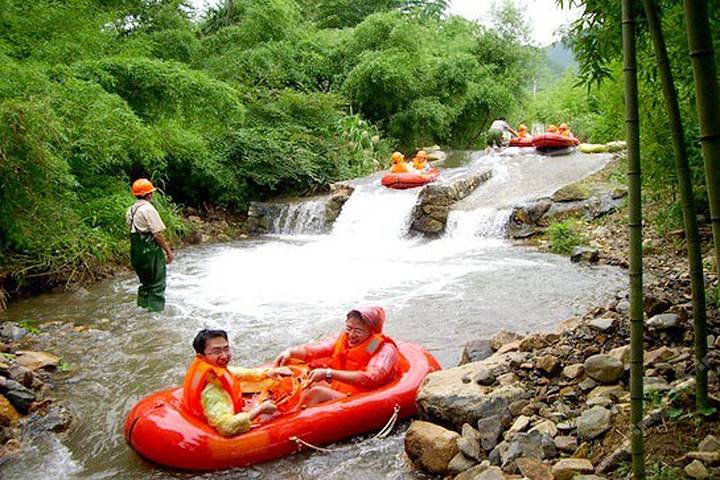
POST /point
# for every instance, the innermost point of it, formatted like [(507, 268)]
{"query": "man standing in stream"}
[(149, 250)]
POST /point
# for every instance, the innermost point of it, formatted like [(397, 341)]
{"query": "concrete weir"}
[(435, 201)]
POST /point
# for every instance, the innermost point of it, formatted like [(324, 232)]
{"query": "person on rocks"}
[(358, 360), (149, 250), (420, 162), (212, 391), (399, 165), (499, 133)]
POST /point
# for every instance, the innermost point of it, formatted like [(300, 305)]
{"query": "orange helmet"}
[(522, 127), (563, 126), (397, 157), (552, 128), (142, 186), (421, 154)]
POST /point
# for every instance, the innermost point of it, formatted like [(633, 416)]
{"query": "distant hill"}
[(558, 58)]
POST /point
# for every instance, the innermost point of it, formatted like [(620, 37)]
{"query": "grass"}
[(565, 236)]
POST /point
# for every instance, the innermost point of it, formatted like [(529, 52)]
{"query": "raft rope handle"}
[(384, 432)]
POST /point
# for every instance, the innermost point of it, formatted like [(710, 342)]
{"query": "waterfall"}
[(483, 223), (306, 217)]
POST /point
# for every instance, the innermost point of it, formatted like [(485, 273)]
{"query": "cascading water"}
[(290, 287), (306, 217)]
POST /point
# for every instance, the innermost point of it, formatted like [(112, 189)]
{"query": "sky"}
[(544, 16)]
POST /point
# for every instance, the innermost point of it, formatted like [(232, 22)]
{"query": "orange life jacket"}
[(400, 167), (196, 379), (355, 358)]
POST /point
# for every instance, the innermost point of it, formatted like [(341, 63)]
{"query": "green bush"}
[(564, 237)]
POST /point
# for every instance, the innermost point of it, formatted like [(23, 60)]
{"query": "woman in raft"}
[(358, 360)]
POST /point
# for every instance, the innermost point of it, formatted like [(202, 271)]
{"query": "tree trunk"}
[(687, 200), (635, 224), (708, 106)]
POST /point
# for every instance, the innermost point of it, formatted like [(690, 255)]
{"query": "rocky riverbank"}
[(556, 405), (27, 408)]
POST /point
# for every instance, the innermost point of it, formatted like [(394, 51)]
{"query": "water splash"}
[(307, 217)]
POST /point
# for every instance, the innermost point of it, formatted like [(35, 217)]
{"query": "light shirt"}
[(146, 220), (500, 125), (218, 405)]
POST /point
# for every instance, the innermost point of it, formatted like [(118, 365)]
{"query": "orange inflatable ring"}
[(162, 432), (402, 181)]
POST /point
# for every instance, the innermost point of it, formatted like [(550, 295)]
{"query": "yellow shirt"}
[(218, 405)]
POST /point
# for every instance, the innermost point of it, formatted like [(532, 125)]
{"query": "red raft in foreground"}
[(159, 430), (546, 141), (402, 181)]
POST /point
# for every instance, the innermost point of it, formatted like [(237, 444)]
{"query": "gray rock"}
[(585, 255), (484, 376), (601, 324), (469, 443), (604, 368), (655, 384), (664, 321), (587, 384), (593, 422), (623, 306), (573, 371), (11, 330), (20, 397), (476, 350), (495, 457), (56, 419), (460, 463), (566, 443), (490, 429), (524, 445), (571, 193)]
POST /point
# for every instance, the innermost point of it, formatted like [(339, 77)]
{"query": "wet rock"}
[(602, 324), (593, 423), (55, 418), (22, 375), (548, 364), (469, 443), (571, 193), (430, 446), (709, 444), (696, 469), (585, 255), (603, 368), (665, 321), (36, 360), (476, 350), (566, 469), (573, 371), (12, 331), (566, 443), (490, 429), (20, 397), (8, 414), (533, 469), (502, 338)]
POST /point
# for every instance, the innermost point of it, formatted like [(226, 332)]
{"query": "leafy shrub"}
[(564, 237)]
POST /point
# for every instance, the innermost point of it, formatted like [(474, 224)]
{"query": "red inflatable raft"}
[(161, 431), (553, 140), (521, 142), (402, 181)]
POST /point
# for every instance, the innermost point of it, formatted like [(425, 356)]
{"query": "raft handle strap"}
[(384, 432)]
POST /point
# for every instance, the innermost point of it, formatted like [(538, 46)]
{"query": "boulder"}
[(604, 368), (8, 414), (504, 337), (36, 360), (431, 446), (476, 350), (664, 321), (533, 469), (572, 193), (593, 422), (585, 255), (568, 468), (696, 469)]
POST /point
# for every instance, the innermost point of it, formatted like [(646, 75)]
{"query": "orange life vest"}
[(400, 167), (196, 379), (355, 358)]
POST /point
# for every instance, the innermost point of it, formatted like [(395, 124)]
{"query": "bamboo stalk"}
[(632, 126), (708, 106), (687, 200)]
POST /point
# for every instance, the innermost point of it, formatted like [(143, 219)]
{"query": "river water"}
[(294, 286)]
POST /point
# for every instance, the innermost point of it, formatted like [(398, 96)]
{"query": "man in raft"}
[(211, 389), (149, 250), (399, 165), (359, 360)]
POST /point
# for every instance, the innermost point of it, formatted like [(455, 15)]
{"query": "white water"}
[(284, 289)]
